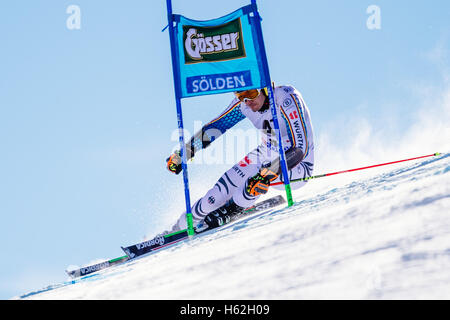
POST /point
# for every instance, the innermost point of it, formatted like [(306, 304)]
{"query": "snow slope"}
[(386, 236)]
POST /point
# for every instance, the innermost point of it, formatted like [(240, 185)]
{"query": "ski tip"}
[(73, 273), (127, 252)]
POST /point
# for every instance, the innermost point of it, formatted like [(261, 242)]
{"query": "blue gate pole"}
[(284, 170), (176, 77)]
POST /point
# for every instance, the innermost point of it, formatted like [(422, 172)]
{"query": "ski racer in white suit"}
[(246, 181)]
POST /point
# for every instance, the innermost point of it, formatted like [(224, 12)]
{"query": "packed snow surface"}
[(384, 236)]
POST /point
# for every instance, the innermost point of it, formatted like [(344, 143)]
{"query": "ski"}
[(163, 241), (154, 244), (258, 207), (96, 267), (263, 205)]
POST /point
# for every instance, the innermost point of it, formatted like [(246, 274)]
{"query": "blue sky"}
[(88, 115)]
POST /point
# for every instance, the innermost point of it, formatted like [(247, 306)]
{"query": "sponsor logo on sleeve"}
[(287, 102)]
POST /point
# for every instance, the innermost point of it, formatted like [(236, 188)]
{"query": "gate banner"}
[(219, 55)]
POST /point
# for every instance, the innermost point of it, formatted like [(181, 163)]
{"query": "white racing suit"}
[(297, 134)]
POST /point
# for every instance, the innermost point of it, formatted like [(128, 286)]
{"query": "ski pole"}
[(356, 169)]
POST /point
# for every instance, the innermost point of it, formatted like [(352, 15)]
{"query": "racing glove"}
[(174, 162), (260, 182)]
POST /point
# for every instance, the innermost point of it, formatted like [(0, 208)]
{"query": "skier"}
[(246, 181)]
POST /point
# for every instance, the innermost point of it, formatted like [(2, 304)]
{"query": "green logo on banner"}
[(210, 44)]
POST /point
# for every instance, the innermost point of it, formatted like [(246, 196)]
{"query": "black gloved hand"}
[(174, 162)]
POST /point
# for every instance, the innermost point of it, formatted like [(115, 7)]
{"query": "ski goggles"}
[(247, 95)]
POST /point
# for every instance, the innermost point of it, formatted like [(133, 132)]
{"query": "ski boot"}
[(223, 215)]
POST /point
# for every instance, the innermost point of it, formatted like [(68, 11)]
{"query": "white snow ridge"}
[(384, 237)]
